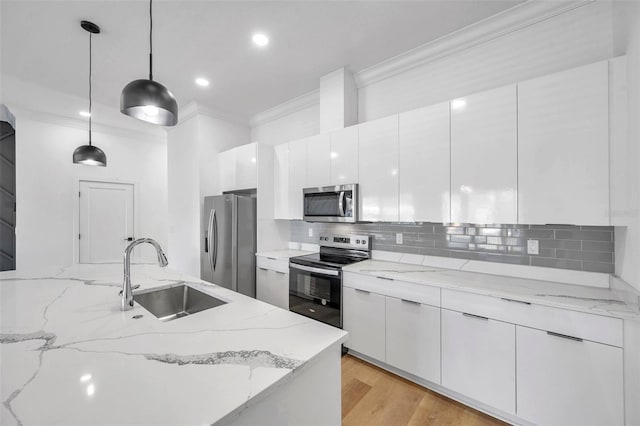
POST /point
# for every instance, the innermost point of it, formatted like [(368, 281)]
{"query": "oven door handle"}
[(316, 270)]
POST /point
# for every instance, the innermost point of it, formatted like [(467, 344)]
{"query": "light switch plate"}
[(311, 232), (532, 247), (399, 238)]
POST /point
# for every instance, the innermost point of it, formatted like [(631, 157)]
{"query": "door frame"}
[(76, 212)]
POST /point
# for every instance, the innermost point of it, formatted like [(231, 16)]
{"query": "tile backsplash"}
[(581, 248)]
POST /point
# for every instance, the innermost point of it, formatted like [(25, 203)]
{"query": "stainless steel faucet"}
[(127, 293)]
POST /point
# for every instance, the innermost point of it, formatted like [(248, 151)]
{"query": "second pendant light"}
[(148, 100)]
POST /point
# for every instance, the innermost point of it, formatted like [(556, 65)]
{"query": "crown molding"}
[(289, 107), (155, 135), (508, 21), (193, 109)]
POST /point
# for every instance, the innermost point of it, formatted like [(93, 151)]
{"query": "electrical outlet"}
[(399, 238), (311, 232), (532, 247)]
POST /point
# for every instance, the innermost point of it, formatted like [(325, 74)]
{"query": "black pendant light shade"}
[(148, 100), (89, 154)]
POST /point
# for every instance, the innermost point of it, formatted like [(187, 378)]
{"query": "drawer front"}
[(427, 295), (273, 264), (592, 327)]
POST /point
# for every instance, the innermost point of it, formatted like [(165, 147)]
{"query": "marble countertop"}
[(284, 254), (601, 301), (70, 356)]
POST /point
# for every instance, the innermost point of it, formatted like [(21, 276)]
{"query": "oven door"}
[(316, 293)]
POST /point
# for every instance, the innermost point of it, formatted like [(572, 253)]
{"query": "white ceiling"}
[(42, 42)]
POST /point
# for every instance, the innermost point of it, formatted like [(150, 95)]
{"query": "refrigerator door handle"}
[(215, 241), (209, 239)]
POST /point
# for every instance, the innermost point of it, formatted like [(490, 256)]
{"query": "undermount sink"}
[(175, 301)]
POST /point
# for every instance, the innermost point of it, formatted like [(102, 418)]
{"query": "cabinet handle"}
[(385, 278), (410, 301), (280, 272), (362, 291), (515, 301), (564, 336), (263, 269), (475, 316), (272, 258)]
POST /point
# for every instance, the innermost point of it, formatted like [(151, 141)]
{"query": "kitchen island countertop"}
[(68, 355)]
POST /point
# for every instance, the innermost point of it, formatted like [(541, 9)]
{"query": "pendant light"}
[(148, 100), (90, 154)]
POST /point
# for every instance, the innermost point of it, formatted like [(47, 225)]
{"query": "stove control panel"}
[(346, 241)]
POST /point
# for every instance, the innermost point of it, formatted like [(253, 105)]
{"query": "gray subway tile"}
[(597, 246), (597, 228), (563, 244), (607, 268), (544, 252), (584, 235), (493, 232), (592, 256), (428, 251), (556, 263), (570, 227), (460, 238)]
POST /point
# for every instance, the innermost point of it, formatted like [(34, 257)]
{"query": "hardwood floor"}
[(372, 396)]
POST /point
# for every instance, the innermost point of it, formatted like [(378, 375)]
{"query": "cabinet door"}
[(568, 382), (478, 359), (227, 167), (484, 157), (246, 166), (344, 156), (272, 287), (281, 181), (319, 160), (563, 147), (413, 338), (378, 169), (297, 177), (363, 317), (425, 164)]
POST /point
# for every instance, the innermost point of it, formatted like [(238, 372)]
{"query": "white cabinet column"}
[(378, 167), (344, 156), (484, 158), (297, 176), (424, 162)]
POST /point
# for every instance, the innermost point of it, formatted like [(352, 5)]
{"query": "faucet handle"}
[(133, 287)]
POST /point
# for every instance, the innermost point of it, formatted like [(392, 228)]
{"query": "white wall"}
[(300, 124), (193, 147), (47, 187), (626, 210)]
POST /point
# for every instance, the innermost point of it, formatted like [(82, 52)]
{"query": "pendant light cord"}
[(150, 40), (90, 55)]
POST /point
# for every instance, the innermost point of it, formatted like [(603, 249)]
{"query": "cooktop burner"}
[(337, 251)]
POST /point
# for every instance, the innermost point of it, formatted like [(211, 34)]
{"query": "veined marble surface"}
[(600, 301), (68, 355)]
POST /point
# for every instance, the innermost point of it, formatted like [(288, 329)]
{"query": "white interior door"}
[(106, 221)]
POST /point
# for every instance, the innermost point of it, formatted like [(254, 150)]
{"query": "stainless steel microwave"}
[(331, 203)]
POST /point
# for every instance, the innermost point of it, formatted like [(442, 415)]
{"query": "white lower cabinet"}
[(272, 287), (563, 381), (478, 359), (413, 338), (364, 319)]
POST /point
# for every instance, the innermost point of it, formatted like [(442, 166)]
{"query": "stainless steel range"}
[(315, 280)]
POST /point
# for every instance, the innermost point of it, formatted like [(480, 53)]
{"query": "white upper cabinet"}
[(378, 169), (297, 176), (227, 170), (425, 164), (344, 156), (563, 147), (281, 181), (246, 161), (319, 160), (484, 144)]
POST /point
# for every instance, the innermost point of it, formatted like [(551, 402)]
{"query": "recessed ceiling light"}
[(260, 39), (202, 82), (84, 114)]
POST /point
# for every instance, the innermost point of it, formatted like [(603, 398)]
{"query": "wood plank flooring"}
[(372, 396)]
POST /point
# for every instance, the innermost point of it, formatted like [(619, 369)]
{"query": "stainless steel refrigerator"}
[(229, 243)]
